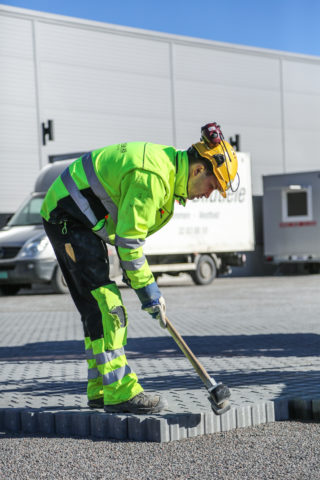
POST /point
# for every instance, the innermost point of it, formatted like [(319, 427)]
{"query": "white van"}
[(26, 255)]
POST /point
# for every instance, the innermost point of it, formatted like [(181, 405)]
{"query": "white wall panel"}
[(301, 76), (302, 112), (17, 85), (80, 90), (15, 38), (81, 136), (301, 115), (225, 67), (243, 106), (110, 88), (19, 153), (265, 147), (302, 152), (102, 50), (18, 132)]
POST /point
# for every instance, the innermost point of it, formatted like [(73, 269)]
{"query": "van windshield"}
[(28, 213)]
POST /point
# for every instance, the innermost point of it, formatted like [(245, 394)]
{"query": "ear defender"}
[(220, 159)]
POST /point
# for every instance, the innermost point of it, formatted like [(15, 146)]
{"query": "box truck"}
[(205, 237), (202, 239), (291, 219)]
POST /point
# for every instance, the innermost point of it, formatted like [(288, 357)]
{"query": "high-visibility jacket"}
[(124, 193)]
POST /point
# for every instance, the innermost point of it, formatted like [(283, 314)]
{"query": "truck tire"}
[(9, 289), (313, 268), (58, 282), (206, 271)]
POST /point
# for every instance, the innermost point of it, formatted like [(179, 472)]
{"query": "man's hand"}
[(158, 311)]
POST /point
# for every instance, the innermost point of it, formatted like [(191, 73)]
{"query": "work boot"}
[(96, 403), (140, 404)]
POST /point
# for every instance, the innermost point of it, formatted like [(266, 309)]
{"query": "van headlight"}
[(34, 247)]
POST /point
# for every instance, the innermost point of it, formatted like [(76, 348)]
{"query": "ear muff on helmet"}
[(223, 159), (220, 159)]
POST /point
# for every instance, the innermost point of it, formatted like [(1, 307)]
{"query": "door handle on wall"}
[(47, 130)]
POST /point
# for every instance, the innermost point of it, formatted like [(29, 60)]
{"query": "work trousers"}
[(83, 259)]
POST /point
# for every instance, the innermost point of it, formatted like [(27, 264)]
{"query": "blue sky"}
[(288, 25)]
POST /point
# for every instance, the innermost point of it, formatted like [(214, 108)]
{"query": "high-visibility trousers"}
[(83, 259)]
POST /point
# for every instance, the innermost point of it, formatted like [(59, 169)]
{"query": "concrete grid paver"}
[(255, 335)]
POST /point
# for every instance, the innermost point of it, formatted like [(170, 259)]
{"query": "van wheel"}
[(9, 289), (58, 282), (206, 271)]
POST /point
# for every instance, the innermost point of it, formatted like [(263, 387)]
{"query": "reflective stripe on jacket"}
[(134, 185)]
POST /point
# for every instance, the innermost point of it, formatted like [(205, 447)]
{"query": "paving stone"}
[(29, 421), (178, 426), (258, 412), (99, 426), (183, 421), (2, 414), (270, 413), (64, 423), (46, 422), (228, 420), (81, 424), (300, 409), (281, 410), (267, 357), (137, 428), (316, 409), (243, 416), (12, 420), (174, 429), (118, 425), (158, 430), (196, 425), (212, 423)]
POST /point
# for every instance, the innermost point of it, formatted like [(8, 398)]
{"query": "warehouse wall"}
[(102, 84), (102, 88), (19, 151)]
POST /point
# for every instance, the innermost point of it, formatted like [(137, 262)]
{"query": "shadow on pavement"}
[(294, 384), (293, 381), (268, 345)]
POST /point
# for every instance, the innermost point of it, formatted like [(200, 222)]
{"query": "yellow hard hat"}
[(223, 159)]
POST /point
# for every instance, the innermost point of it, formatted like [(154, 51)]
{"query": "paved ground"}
[(260, 336)]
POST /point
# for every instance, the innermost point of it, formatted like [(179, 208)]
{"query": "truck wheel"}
[(205, 272), (313, 268), (58, 282), (9, 289)]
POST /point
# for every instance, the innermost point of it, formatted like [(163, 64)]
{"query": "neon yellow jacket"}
[(128, 192)]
